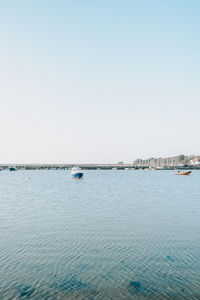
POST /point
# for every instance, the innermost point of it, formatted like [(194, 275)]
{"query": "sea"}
[(115, 234)]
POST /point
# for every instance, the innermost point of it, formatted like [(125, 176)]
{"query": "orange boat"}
[(183, 173)]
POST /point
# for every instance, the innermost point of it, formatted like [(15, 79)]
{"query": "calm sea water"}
[(112, 235)]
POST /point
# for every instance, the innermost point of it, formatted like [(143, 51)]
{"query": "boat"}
[(12, 168), (77, 173), (183, 173)]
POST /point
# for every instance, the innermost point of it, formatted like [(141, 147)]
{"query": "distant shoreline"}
[(94, 167)]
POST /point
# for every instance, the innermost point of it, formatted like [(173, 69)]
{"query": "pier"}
[(95, 167)]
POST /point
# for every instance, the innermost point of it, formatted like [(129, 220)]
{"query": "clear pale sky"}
[(98, 81)]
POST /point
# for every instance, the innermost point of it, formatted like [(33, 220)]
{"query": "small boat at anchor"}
[(12, 168), (183, 173), (77, 173)]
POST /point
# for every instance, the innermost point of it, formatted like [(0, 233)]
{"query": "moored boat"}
[(12, 168), (77, 173), (183, 173)]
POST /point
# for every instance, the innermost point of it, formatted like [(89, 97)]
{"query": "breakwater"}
[(94, 167)]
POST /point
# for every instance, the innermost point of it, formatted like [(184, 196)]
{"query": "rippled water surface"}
[(112, 235)]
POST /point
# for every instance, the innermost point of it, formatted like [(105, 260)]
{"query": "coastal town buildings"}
[(173, 161), (195, 161)]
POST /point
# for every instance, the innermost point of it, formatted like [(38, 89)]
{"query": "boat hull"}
[(184, 173), (77, 175)]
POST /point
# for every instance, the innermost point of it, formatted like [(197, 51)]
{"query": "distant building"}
[(195, 161), (173, 161)]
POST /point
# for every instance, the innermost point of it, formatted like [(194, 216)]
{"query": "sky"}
[(98, 81)]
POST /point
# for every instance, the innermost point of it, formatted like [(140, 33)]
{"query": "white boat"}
[(12, 168), (77, 173)]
